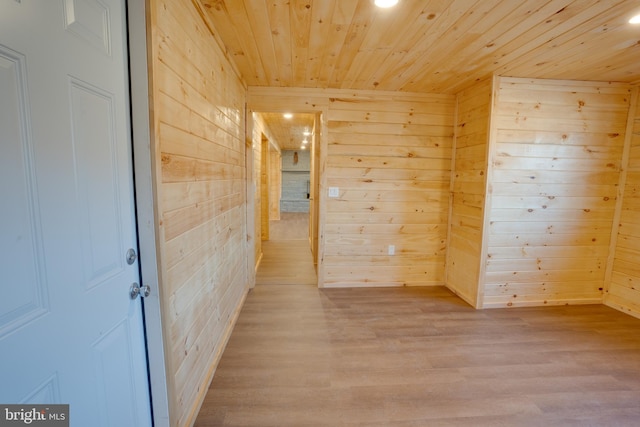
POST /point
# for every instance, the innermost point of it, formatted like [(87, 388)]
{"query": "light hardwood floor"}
[(286, 257), (290, 226), (286, 262), (302, 356)]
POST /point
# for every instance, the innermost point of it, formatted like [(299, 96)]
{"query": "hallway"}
[(287, 258)]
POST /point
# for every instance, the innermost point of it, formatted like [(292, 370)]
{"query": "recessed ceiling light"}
[(302, 147), (635, 20), (386, 3), (306, 133), (287, 115), (305, 141)]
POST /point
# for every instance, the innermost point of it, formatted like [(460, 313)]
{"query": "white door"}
[(69, 332)]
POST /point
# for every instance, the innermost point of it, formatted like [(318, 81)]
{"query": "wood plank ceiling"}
[(438, 46), (290, 133)]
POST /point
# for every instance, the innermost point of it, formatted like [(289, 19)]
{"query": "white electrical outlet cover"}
[(334, 192)]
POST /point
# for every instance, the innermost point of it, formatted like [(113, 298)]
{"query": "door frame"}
[(146, 213), (314, 197), (265, 186), (283, 100)]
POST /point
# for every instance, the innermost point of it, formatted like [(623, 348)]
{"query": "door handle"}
[(135, 290)]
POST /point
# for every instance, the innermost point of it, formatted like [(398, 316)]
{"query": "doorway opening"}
[(288, 188)]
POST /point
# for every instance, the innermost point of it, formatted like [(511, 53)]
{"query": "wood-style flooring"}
[(286, 256), (286, 262), (290, 226), (303, 356)]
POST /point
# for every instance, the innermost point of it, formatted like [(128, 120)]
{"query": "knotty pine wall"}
[(624, 286), (468, 189), (391, 160), (198, 106), (555, 163), (390, 156)]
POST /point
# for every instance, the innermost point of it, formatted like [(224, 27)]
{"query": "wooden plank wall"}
[(389, 154), (624, 286), (198, 105), (391, 160), (555, 162), (275, 169), (468, 187)]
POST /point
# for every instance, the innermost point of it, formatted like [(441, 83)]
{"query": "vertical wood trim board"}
[(253, 241), (322, 140), (558, 151), (258, 130), (198, 105), (622, 179), (275, 188), (486, 212), (448, 271), (315, 187), (265, 178), (624, 286), (466, 222)]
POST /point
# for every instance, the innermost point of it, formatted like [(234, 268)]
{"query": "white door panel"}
[(69, 333), (21, 243)]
